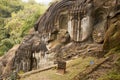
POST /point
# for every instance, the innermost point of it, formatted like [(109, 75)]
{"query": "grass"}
[(113, 75), (73, 68)]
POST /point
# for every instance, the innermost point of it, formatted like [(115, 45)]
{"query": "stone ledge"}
[(36, 71)]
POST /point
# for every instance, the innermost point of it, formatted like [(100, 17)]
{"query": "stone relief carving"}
[(87, 20)]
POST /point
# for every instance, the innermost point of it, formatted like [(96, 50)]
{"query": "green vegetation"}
[(16, 19), (74, 67), (114, 74), (112, 43), (112, 47), (111, 76)]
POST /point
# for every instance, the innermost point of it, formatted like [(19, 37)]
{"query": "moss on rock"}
[(112, 37)]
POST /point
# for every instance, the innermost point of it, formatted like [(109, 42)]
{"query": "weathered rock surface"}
[(69, 28), (112, 35), (29, 52), (6, 62)]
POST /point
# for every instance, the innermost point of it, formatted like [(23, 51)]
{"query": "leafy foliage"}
[(17, 18), (8, 6)]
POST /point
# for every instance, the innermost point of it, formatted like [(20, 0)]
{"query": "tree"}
[(32, 2), (16, 21)]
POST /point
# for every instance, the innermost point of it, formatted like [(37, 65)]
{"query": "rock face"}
[(112, 36), (29, 52), (6, 62), (70, 26), (84, 20)]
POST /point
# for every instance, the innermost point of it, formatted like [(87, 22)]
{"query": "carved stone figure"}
[(67, 21)]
